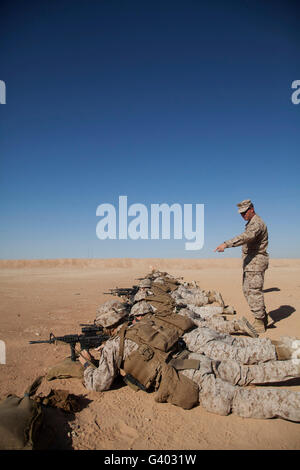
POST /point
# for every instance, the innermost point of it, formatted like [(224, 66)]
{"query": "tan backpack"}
[(148, 364), (20, 420)]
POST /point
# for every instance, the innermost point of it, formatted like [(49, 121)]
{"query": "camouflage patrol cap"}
[(244, 205), (140, 308), (110, 313), (145, 283), (157, 274)]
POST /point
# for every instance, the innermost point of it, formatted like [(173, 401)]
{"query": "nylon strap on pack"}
[(121, 335), (181, 364), (163, 319), (31, 390), (155, 298)]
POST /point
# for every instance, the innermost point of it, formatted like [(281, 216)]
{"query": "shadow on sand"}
[(281, 313), (55, 432), (271, 289)]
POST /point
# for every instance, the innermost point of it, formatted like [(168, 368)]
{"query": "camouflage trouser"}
[(207, 318), (219, 394), (219, 324), (253, 283), (219, 346)]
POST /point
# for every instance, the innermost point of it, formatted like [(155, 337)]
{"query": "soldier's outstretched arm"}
[(250, 234), (247, 236)]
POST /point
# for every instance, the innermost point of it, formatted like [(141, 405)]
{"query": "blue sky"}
[(162, 101)]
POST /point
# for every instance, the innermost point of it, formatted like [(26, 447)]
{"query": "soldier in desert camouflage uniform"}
[(254, 242), (144, 290), (219, 383)]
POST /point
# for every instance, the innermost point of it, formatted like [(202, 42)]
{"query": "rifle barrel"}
[(42, 341)]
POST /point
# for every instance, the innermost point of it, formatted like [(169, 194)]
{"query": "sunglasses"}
[(244, 213)]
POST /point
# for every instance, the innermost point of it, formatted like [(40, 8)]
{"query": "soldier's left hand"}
[(84, 356)]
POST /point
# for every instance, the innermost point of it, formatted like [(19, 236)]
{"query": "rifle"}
[(123, 291), (91, 337)]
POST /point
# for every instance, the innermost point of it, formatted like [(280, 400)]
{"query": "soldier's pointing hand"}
[(221, 248)]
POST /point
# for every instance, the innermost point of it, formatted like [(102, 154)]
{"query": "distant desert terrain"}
[(43, 296)]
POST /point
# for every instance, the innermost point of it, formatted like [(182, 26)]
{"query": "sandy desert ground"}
[(43, 296)]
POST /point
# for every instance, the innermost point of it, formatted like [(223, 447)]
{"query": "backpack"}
[(20, 420)]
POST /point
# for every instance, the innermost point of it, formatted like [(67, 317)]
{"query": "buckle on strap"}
[(146, 352)]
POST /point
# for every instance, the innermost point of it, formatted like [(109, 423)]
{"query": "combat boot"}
[(229, 310), (260, 324), (218, 298), (245, 327), (287, 348)]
